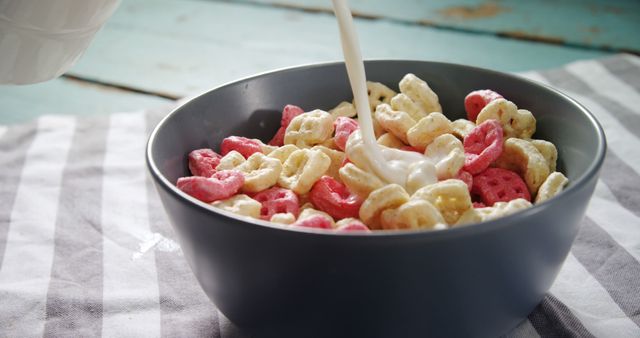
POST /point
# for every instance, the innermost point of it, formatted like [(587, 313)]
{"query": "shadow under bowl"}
[(476, 280)]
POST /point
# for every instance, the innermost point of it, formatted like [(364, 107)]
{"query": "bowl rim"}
[(461, 230)]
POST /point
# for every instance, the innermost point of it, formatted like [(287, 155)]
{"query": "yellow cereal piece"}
[(515, 122), (461, 128), (309, 212), (230, 161), (451, 197), (390, 141), (421, 174), (499, 209), (388, 197), (283, 218), (394, 122), (548, 151), (309, 129), (378, 93), (523, 157), (282, 153), (447, 152), (302, 169), (241, 205), (260, 172), (346, 109), (336, 156), (552, 186), (427, 129), (414, 214), (402, 102), (420, 93), (359, 181)]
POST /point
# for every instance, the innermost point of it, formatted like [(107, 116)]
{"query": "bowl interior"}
[(251, 107)]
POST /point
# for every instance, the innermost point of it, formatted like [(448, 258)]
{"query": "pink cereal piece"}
[(479, 205), (317, 221), (353, 226), (243, 145), (277, 200), (203, 162), (288, 113), (221, 185), (334, 198), (499, 185), (476, 100), (344, 126), (465, 177), (482, 146), (278, 138)]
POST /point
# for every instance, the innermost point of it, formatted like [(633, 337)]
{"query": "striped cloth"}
[(85, 248)]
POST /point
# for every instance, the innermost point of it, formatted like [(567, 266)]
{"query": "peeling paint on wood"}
[(483, 10)]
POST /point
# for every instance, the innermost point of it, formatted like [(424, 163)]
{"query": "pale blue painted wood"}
[(184, 47), (63, 96), (599, 23)]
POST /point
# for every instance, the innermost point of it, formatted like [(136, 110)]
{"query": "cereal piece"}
[(240, 204), (267, 149), (282, 153), (500, 209), (315, 221), (402, 102), (482, 146), (334, 198), (388, 197), (283, 218), (523, 157), (277, 201), (420, 92), (359, 181), (344, 126), (346, 109), (231, 160), (552, 186), (351, 224), (478, 99), (548, 151), (310, 212), (499, 185), (427, 129), (447, 152), (337, 158), (302, 169), (515, 122), (221, 185), (394, 122), (465, 177), (288, 113), (414, 214), (460, 128), (451, 197), (245, 146), (203, 162), (260, 172), (309, 129), (378, 93), (277, 139), (421, 174), (390, 141)]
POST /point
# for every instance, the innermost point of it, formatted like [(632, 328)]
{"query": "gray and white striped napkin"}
[(85, 248)]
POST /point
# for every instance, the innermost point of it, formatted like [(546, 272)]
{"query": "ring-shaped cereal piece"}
[(394, 122), (344, 126), (309, 129), (522, 157), (548, 151), (482, 146), (230, 161), (378, 94), (277, 200), (390, 141), (337, 158), (245, 146), (302, 169), (334, 198), (447, 152), (499, 185), (552, 186), (414, 214), (351, 224), (451, 197), (260, 172), (402, 102), (388, 197), (427, 129), (500, 209), (461, 128), (282, 153), (358, 181), (515, 122), (478, 99), (240, 204), (345, 109), (221, 185), (203, 162), (420, 92)]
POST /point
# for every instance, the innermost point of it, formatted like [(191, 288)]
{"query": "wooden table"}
[(155, 51)]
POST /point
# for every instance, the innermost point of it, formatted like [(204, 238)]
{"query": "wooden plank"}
[(64, 96), (184, 47), (595, 23)]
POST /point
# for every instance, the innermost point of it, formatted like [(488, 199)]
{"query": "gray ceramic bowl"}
[(476, 280)]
